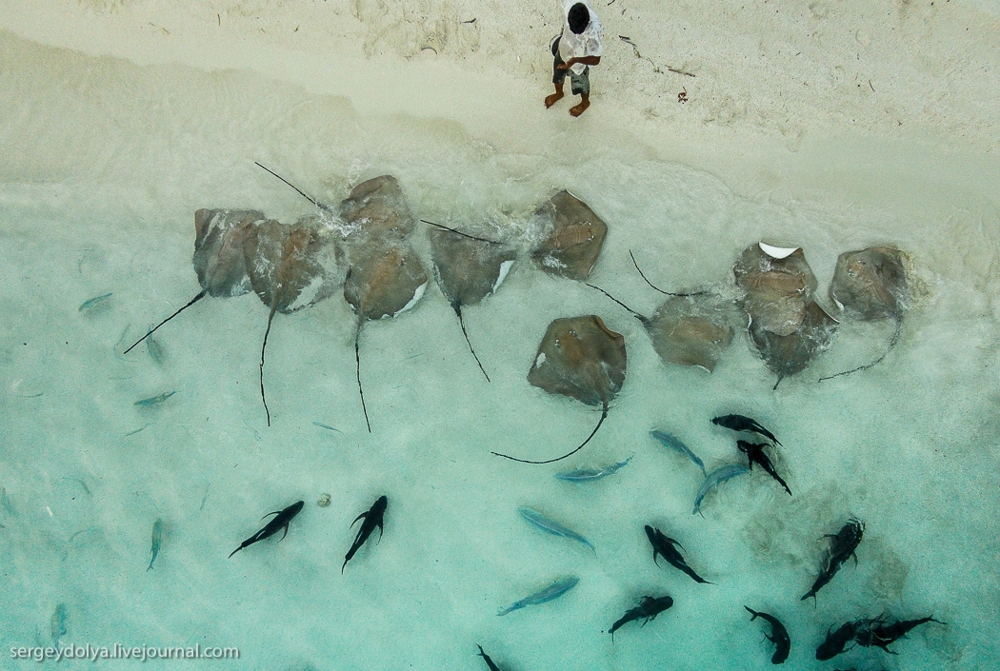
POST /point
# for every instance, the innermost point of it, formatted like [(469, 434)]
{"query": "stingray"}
[(871, 285), (290, 267), (381, 283), (376, 210), (468, 269), (218, 256), (575, 236), (688, 329), (778, 286), (582, 358), (789, 354)]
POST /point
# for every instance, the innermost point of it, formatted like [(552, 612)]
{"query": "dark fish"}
[(843, 545), (755, 455), (372, 519), (489, 662), (281, 520), (883, 635), (649, 607), (779, 635), (664, 546), (837, 640), (742, 423)]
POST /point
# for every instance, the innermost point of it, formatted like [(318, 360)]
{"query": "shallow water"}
[(105, 164)]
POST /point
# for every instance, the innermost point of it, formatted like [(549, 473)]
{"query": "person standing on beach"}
[(574, 51)]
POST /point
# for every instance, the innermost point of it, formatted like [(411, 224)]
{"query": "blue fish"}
[(157, 541), (585, 474), (542, 522), (675, 444), (553, 591), (59, 618), (155, 400), (153, 347), (718, 476), (92, 303)]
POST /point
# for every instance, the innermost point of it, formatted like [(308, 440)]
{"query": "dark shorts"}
[(579, 84)]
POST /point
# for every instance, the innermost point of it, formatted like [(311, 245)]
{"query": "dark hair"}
[(578, 18)]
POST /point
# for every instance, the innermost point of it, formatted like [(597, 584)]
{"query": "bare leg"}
[(582, 107), (551, 99)]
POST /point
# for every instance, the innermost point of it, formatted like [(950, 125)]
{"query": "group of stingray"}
[(363, 245)]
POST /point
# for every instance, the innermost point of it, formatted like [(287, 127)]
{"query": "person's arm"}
[(586, 60)]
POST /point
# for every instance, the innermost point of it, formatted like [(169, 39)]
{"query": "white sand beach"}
[(829, 126)]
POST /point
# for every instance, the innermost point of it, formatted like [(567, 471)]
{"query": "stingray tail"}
[(361, 391), (270, 317), (666, 293), (302, 193), (604, 414), (892, 343), (457, 232), (635, 314), (191, 302), (461, 322)]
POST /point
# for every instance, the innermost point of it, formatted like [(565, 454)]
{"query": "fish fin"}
[(359, 517), (284, 534), (752, 612), (233, 552), (269, 514), (380, 530), (673, 542)]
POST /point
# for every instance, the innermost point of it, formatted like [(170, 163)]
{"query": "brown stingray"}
[(688, 329), (575, 236), (581, 358), (377, 211), (468, 269), (382, 282), (290, 267), (789, 354), (218, 256), (778, 290), (869, 285)]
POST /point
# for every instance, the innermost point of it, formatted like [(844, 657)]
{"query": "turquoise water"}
[(105, 164)]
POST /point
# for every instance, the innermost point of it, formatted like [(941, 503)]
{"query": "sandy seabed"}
[(826, 125)]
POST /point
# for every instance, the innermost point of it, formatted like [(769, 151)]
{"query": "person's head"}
[(578, 18)]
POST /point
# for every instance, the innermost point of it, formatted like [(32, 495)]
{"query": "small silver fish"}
[(155, 400), (157, 541), (553, 591), (92, 303), (716, 477), (59, 618), (153, 347), (327, 426), (585, 474), (542, 522), (677, 445)]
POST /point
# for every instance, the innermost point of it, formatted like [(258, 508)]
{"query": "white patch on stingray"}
[(413, 301), (550, 261), (540, 360), (504, 269), (308, 295), (776, 252)]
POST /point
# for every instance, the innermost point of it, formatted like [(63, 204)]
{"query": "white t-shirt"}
[(587, 43)]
